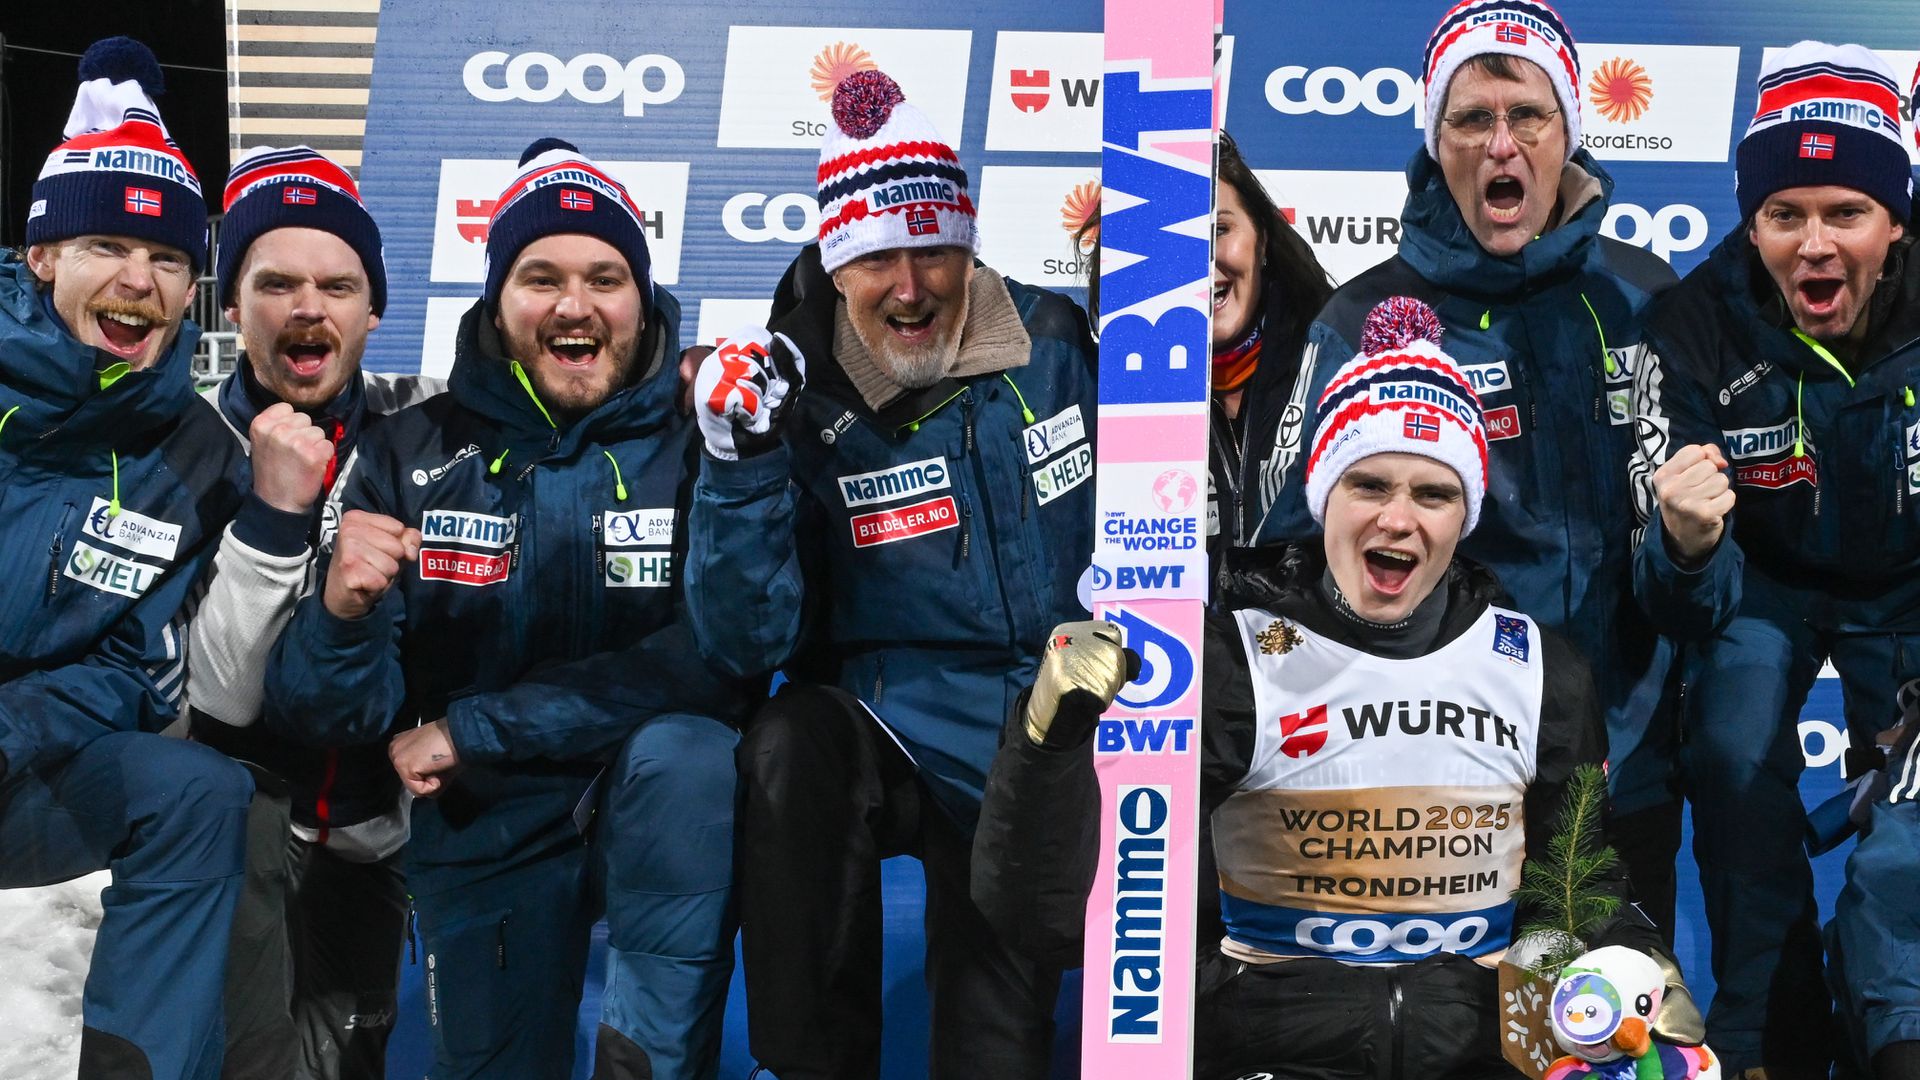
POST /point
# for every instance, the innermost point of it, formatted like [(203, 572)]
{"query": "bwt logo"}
[(593, 78), (1032, 90), (471, 217), (775, 212), (1166, 664), (1337, 91), (1656, 231)]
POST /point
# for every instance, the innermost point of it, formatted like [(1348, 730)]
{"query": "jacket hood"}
[(51, 383), (484, 380), (1436, 242)]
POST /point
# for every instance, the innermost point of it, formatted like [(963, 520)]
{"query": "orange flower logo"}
[(836, 62), (1082, 204), (1621, 90)]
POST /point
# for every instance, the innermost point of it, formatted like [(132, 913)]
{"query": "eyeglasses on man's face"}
[(1475, 126)]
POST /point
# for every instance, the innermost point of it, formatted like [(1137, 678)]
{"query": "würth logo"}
[(1621, 90), (1303, 734), (1031, 89), (836, 62)]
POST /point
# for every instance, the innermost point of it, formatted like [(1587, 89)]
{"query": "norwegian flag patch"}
[(144, 201)]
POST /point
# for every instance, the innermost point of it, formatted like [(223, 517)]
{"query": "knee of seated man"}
[(178, 777), (691, 754), (802, 731)]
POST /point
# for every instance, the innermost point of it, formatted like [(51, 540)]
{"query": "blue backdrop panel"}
[(712, 114)]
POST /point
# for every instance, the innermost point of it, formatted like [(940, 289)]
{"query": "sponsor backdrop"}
[(713, 114)]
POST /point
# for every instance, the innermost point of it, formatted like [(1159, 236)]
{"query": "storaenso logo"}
[(593, 78), (1337, 91), (775, 214), (899, 482), (1142, 815)]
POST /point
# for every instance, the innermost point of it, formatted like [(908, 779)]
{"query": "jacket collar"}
[(61, 392), (241, 398), (1436, 242)]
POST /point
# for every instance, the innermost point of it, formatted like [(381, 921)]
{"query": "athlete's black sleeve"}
[(1573, 732), (1037, 844)]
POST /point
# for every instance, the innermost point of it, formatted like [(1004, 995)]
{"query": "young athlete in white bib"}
[(1383, 745)]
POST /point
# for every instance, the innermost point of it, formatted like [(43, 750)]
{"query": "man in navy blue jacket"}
[(1782, 375), (114, 486), (897, 536), (1501, 236), (502, 597)]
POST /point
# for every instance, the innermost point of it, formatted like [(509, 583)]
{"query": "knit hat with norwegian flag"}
[(295, 188), (1828, 114), (1526, 29), (1402, 395), (560, 190), (117, 173), (887, 179)]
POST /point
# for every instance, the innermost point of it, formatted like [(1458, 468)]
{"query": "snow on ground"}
[(46, 939)]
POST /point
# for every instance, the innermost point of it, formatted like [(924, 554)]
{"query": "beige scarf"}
[(993, 339)]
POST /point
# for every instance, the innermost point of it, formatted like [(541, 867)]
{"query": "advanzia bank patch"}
[(464, 548), (123, 553)]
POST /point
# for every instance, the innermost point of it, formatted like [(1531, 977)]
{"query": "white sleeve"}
[(250, 599)]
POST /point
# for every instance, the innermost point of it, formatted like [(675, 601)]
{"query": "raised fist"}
[(744, 390), (290, 458), (1083, 668), (1695, 498), (367, 553)]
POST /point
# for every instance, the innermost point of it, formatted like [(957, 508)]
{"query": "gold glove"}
[(1081, 657)]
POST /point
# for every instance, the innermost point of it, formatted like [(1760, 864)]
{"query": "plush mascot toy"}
[(1604, 1008)]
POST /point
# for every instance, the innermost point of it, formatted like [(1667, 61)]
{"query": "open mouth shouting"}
[(307, 358), (1820, 296), (912, 329), (1505, 197), (576, 351), (1389, 570), (126, 328)]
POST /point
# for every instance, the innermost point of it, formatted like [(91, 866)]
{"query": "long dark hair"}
[(1295, 284)]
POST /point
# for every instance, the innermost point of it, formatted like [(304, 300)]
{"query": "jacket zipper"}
[(1020, 455), (879, 678), (54, 551), (1393, 1022)]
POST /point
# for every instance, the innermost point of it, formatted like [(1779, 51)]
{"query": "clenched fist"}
[(744, 389), (367, 553), (1695, 498), (1084, 667), (290, 458)]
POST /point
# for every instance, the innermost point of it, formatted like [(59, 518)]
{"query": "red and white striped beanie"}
[(1527, 29), (887, 179), (1402, 394), (1827, 114)]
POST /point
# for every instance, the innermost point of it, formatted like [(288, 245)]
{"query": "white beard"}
[(915, 367)]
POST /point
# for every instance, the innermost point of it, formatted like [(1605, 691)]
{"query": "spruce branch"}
[(1563, 892)]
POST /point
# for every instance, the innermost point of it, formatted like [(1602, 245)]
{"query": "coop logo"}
[(755, 218), (780, 79), (470, 189), (1336, 91), (591, 78), (1666, 232), (1620, 89), (1658, 102), (1396, 939), (1143, 815)]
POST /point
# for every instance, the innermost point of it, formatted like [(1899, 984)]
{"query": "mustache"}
[(315, 336), (139, 309)]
